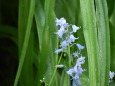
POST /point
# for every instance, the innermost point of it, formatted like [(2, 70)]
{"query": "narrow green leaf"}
[(23, 42), (90, 34), (47, 40), (103, 40)]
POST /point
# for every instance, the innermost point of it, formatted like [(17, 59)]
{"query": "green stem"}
[(55, 69), (69, 55)]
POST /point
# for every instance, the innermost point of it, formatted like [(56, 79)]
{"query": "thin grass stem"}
[(55, 69)]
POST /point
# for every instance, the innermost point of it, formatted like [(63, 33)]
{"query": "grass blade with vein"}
[(26, 40)]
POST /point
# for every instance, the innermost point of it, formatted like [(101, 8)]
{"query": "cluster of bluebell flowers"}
[(67, 38)]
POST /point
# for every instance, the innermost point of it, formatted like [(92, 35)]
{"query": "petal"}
[(74, 82), (70, 72)]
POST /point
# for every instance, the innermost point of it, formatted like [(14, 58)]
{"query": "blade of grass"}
[(53, 57), (40, 20), (112, 32), (103, 40), (46, 39), (24, 43), (90, 34)]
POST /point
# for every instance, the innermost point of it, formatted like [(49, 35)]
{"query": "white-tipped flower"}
[(72, 39), (80, 47), (77, 70), (80, 61), (58, 51), (75, 54), (111, 75), (74, 82), (61, 22), (71, 71), (75, 28), (64, 44), (60, 33)]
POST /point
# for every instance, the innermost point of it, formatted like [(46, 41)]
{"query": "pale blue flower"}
[(80, 47), (80, 70), (64, 44), (79, 83), (74, 82), (70, 72), (75, 28), (75, 54), (58, 51), (77, 70), (72, 39), (60, 32), (61, 22), (80, 61), (76, 76), (111, 75)]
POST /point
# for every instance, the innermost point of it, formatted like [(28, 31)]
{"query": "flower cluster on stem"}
[(69, 39), (65, 33)]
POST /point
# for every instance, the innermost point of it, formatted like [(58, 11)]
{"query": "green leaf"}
[(103, 40), (24, 72), (90, 34)]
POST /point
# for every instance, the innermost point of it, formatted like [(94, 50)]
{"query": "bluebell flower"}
[(75, 54), (77, 70), (70, 71), (74, 82), (76, 76), (79, 83), (72, 39), (60, 32), (75, 28), (111, 75), (58, 51), (64, 44), (80, 47), (61, 22), (80, 70), (80, 61)]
